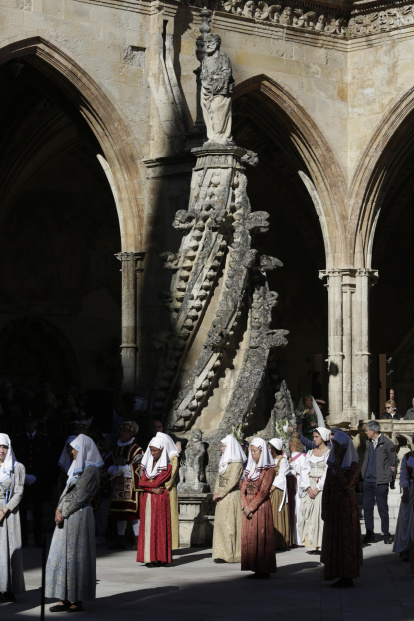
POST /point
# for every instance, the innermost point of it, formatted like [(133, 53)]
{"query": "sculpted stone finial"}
[(217, 86)]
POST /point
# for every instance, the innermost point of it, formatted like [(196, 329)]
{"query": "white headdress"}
[(88, 455), (64, 459), (170, 447), (153, 470), (277, 443), (321, 422), (266, 460), (324, 433), (351, 455), (7, 466), (233, 453)]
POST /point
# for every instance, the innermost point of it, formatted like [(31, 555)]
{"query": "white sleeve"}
[(280, 479), (323, 477), (304, 482)]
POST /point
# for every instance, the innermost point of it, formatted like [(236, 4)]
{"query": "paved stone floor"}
[(196, 589)]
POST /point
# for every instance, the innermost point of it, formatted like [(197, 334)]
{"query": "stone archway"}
[(382, 221), (120, 160)]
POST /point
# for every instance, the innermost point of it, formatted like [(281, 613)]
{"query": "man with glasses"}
[(378, 468)]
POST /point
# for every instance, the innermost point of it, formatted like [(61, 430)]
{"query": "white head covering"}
[(9, 461), (147, 463), (64, 459), (266, 460), (277, 443), (88, 455), (324, 433), (351, 455), (321, 422), (233, 453), (170, 447)]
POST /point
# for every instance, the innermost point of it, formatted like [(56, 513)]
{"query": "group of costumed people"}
[(253, 516)]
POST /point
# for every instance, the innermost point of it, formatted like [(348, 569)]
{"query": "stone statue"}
[(192, 475), (217, 85)]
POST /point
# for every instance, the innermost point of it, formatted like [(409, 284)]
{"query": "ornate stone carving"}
[(342, 23), (192, 471)]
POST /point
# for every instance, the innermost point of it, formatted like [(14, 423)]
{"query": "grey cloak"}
[(11, 565), (71, 565)]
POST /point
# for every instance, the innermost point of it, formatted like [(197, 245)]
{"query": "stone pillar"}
[(131, 268), (348, 343)]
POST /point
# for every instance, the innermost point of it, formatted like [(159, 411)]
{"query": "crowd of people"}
[(291, 491)]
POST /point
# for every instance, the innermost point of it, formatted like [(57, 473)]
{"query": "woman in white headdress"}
[(12, 476), (171, 486), (341, 547), (278, 497), (228, 517), (71, 564), (310, 525), (311, 416), (154, 540), (258, 539)]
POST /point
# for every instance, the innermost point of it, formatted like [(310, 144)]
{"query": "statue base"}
[(196, 519)]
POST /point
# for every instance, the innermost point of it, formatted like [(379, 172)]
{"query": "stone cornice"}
[(335, 19)]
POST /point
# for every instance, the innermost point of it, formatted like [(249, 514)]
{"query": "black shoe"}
[(60, 607), (78, 608), (8, 596), (219, 560), (369, 537), (388, 539), (343, 583)]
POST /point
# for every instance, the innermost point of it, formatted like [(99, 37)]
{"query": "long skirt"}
[(154, 541), (227, 528), (341, 546), (281, 520), (11, 565), (404, 532), (310, 525), (258, 541), (71, 565)]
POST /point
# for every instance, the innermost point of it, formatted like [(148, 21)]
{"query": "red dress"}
[(258, 540), (154, 540)]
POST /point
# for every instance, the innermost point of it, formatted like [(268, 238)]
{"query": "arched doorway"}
[(59, 231), (280, 185)]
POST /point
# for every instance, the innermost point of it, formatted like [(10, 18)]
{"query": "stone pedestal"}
[(196, 519)]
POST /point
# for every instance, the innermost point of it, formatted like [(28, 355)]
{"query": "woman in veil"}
[(311, 416)]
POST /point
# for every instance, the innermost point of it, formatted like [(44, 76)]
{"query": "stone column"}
[(348, 343), (131, 268)]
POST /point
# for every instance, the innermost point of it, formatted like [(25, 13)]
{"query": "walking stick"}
[(42, 591)]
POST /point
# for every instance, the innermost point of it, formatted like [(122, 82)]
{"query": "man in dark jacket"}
[(378, 468), (32, 449)]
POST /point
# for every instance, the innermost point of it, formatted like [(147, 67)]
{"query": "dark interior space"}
[(60, 284), (294, 237)]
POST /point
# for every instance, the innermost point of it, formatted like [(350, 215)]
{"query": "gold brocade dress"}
[(228, 517), (171, 488)]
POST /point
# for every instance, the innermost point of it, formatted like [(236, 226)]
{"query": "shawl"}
[(233, 453), (88, 455), (321, 422), (153, 470), (266, 461), (351, 455), (7, 466), (65, 459), (172, 450)]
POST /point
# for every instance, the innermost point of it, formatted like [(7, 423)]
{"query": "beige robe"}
[(228, 518), (171, 488)]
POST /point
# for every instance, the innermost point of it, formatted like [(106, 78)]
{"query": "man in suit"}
[(32, 449)]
